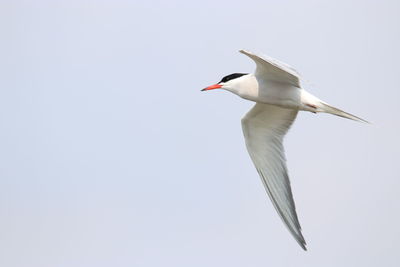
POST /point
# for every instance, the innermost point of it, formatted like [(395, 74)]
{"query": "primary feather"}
[(264, 127)]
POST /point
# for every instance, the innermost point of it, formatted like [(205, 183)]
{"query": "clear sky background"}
[(111, 156)]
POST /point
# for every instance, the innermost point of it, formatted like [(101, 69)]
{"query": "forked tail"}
[(324, 107)]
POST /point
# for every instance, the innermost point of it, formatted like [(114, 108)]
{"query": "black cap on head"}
[(231, 77)]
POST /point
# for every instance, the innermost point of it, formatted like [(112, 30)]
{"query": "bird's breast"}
[(274, 93)]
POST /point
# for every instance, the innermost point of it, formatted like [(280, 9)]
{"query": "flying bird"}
[(276, 90)]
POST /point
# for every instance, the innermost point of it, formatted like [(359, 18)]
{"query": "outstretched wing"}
[(264, 127), (274, 70)]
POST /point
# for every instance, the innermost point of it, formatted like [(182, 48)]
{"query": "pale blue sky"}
[(111, 156)]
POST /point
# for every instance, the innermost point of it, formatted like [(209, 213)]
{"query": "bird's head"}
[(232, 82)]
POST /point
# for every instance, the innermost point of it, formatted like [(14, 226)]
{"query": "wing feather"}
[(271, 69), (264, 128)]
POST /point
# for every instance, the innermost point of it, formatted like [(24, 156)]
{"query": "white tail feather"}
[(324, 107)]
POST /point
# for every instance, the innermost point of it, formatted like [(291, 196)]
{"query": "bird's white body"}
[(275, 87), (274, 93)]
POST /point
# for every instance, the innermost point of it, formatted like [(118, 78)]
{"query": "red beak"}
[(211, 87)]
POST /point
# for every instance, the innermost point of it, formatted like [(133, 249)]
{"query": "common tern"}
[(276, 90)]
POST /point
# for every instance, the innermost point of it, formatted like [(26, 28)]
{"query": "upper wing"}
[(271, 69), (264, 127)]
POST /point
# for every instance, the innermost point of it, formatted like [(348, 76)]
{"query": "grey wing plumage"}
[(264, 127), (271, 69)]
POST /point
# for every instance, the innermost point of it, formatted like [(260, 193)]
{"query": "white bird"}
[(275, 87)]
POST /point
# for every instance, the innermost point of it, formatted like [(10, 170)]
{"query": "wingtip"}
[(244, 51), (303, 245), (301, 241)]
